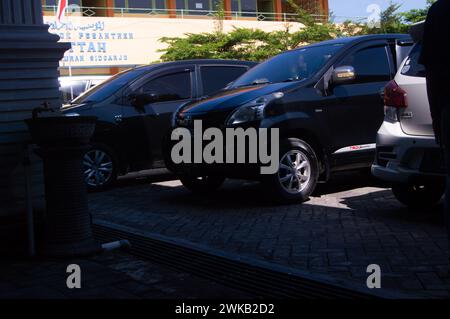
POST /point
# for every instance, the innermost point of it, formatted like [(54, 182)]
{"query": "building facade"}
[(262, 9), (108, 36)]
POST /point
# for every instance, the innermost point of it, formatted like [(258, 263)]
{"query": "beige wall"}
[(131, 41)]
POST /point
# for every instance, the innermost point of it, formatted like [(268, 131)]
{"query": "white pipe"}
[(116, 245)]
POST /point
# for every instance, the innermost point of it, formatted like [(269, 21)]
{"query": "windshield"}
[(106, 89), (289, 66)]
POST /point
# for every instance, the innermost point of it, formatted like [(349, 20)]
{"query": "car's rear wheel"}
[(100, 167), (199, 184), (419, 196), (297, 174)]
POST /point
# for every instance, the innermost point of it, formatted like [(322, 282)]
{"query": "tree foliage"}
[(258, 45), (417, 15)]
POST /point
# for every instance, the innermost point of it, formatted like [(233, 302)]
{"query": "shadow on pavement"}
[(237, 194)]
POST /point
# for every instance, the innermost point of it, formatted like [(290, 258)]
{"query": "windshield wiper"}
[(292, 80), (261, 81), (256, 82)]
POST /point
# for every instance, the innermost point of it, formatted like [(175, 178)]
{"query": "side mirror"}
[(141, 100), (344, 74)]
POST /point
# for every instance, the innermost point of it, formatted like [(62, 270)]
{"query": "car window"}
[(215, 78), (95, 82), (412, 66), (371, 64), (289, 66), (72, 89), (170, 87), (111, 86)]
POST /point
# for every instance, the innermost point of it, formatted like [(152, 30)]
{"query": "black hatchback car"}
[(134, 109), (326, 100)]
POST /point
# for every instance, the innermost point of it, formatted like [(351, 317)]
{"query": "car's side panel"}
[(146, 127)]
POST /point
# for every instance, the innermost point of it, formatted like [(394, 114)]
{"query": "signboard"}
[(98, 42), (125, 41)]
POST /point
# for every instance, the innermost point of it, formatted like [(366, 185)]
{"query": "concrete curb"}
[(381, 293)]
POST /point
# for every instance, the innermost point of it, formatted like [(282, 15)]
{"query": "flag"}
[(62, 6)]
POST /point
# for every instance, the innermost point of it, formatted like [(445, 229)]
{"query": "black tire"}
[(93, 183), (273, 183), (204, 184), (419, 196)]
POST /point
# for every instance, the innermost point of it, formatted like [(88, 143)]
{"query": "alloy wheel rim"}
[(98, 168), (294, 173)]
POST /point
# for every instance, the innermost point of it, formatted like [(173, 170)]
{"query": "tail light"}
[(395, 100), (395, 96)]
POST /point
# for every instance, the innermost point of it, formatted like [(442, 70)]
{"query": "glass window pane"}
[(171, 87), (75, 87), (248, 5), (246, 8), (50, 2), (215, 78), (120, 3), (139, 4), (160, 4), (289, 66), (412, 66), (198, 5), (180, 4), (370, 64)]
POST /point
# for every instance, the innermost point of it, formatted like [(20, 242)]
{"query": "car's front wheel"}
[(202, 183), (297, 174), (100, 167), (419, 196)]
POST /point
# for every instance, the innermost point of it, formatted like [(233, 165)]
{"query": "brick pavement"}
[(349, 223)]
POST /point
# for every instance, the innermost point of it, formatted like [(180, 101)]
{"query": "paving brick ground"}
[(349, 224), (113, 275)]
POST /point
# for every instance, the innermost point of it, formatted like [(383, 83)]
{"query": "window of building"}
[(197, 6), (140, 4), (244, 7), (55, 2), (49, 2), (265, 6)]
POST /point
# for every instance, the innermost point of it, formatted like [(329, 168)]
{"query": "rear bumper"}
[(402, 158)]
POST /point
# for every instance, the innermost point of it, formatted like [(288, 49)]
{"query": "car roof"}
[(194, 61), (84, 77), (350, 41)]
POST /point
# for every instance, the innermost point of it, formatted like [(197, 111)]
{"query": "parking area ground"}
[(348, 224)]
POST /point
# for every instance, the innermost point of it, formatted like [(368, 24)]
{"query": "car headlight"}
[(254, 110)]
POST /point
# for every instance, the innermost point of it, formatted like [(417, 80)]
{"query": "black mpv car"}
[(327, 101), (134, 109)]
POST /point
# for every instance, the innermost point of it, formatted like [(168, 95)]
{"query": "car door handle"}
[(381, 93)]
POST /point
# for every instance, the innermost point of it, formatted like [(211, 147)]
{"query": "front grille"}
[(211, 119)]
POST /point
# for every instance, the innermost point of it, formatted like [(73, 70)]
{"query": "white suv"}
[(407, 154)]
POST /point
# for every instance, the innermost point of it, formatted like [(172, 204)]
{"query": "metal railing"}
[(182, 13)]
